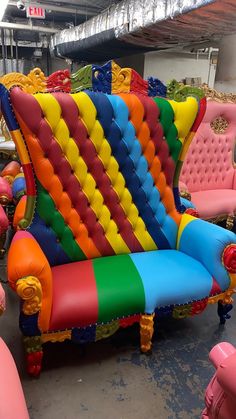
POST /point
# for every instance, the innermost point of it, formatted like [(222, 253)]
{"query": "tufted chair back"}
[(103, 170), (209, 161)]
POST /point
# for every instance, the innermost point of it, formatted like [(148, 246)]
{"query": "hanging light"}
[(3, 7)]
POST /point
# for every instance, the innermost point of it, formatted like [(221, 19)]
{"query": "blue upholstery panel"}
[(206, 243), (177, 279)]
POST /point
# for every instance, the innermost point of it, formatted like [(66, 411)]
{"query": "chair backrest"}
[(103, 169), (109, 78), (209, 161)]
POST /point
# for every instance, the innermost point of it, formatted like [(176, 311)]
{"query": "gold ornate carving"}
[(106, 330), (121, 79), (230, 222), (34, 82), (218, 96), (5, 132), (225, 297), (30, 291), (218, 219), (56, 337), (219, 125), (182, 311), (146, 332), (185, 194)]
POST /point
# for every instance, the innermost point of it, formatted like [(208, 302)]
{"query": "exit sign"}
[(35, 12)]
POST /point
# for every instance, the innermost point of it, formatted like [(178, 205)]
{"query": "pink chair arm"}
[(12, 401), (226, 374), (220, 352)]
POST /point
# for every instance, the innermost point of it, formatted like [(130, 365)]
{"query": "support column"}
[(225, 80)]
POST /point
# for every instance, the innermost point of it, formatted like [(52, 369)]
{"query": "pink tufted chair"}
[(220, 396), (208, 173)]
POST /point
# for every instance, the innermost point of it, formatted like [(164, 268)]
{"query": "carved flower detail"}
[(229, 258), (219, 125)]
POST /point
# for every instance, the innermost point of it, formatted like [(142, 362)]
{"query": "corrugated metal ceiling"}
[(134, 26)]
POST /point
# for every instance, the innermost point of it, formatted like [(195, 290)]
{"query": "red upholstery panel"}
[(74, 296)]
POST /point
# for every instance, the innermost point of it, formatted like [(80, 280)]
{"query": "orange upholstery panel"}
[(26, 258)]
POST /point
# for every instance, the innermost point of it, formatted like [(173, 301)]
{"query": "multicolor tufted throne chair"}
[(101, 244)]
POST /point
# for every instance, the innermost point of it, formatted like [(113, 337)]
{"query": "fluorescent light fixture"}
[(3, 6)]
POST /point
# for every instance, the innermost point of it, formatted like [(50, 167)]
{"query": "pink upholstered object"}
[(5, 191), (208, 170), (2, 299), (12, 401), (220, 397), (4, 223), (214, 202)]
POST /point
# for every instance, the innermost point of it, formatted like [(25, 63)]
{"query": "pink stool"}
[(220, 396)]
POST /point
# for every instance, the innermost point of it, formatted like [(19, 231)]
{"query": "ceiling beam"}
[(18, 26), (54, 8)]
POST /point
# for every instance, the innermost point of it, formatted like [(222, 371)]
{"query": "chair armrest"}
[(208, 243), (29, 274), (19, 211)]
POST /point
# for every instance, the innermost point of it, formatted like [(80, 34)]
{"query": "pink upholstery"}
[(12, 401), (214, 202), (220, 397), (208, 165), (5, 191), (4, 223)]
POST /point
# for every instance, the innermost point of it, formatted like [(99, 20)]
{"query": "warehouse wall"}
[(171, 65), (226, 68)]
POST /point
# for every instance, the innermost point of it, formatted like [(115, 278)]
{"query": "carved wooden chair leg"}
[(223, 310), (230, 222), (225, 306), (34, 355), (30, 291), (146, 332)]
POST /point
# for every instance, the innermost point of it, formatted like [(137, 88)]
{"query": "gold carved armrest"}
[(29, 290)]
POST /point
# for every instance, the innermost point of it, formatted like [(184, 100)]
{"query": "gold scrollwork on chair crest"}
[(34, 82), (30, 291), (121, 79)]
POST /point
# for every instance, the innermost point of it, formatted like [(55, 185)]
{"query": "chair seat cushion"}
[(104, 289), (215, 202)]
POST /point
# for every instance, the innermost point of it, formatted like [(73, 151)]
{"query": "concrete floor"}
[(110, 379)]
